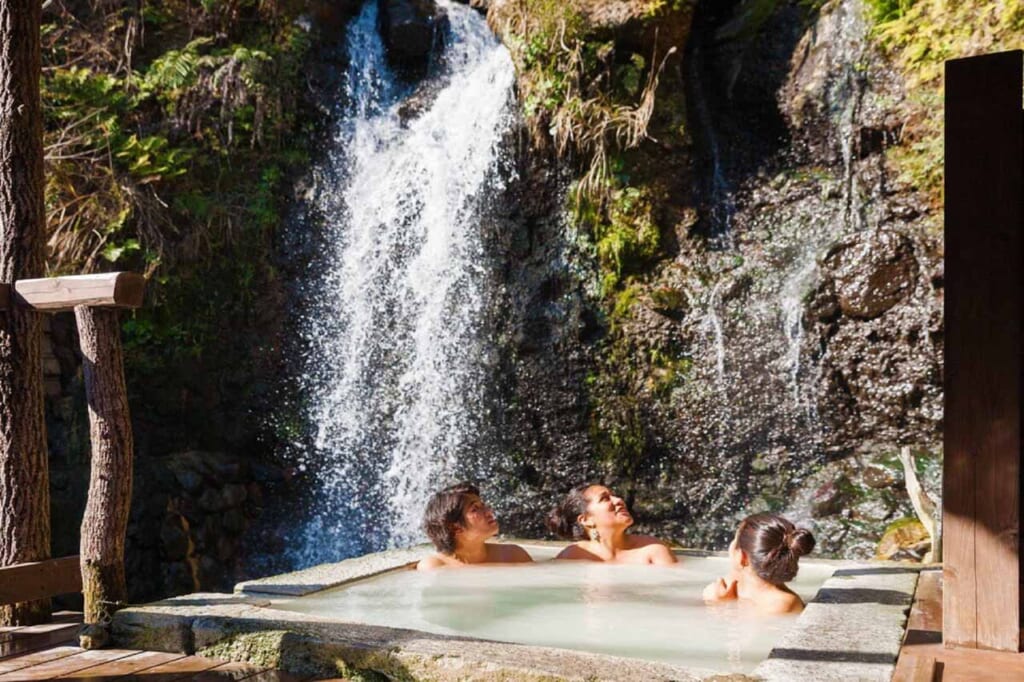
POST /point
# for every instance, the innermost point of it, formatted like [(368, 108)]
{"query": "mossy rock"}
[(904, 538)]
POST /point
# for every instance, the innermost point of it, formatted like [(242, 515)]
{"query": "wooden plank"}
[(174, 670), (984, 302), (923, 670), (56, 294), (64, 634), (136, 661), (36, 657), (67, 664), (228, 672), (39, 580), (924, 640)]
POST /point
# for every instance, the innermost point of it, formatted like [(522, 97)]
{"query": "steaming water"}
[(395, 364), (653, 613)]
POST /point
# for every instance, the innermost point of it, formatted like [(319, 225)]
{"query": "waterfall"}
[(395, 362)]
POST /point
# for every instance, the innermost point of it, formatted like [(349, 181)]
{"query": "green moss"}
[(921, 36)]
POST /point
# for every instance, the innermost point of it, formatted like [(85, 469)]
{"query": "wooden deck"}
[(923, 658), (46, 652)]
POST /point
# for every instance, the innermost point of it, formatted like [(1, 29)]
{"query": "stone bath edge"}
[(851, 630)]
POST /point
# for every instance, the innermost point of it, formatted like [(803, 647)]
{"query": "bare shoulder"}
[(783, 602), (511, 554), (656, 551), (575, 552), (431, 562), (659, 553)]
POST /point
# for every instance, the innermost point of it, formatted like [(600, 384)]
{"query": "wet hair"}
[(774, 546), (563, 520), (444, 513)]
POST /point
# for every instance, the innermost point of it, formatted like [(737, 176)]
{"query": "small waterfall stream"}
[(396, 363)]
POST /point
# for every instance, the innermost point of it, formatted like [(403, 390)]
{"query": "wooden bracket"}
[(57, 294)]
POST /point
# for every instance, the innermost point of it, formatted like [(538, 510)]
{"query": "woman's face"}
[(478, 519), (605, 509)]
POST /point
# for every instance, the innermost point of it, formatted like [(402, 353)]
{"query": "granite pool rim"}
[(852, 629)]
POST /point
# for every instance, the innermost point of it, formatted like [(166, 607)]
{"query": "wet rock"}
[(213, 501), (234, 522), (174, 537), (877, 477), (480, 5), (872, 274), (233, 495), (832, 497), (178, 578), (411, 30)]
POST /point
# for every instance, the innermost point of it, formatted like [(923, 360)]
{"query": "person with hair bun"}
[(459, 524), (765, 554), (598, 519)]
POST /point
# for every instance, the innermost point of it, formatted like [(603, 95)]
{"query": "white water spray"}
[(395, 371)]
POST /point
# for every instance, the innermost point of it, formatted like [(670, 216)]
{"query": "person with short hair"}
[(598, 520), (765, 555), (459, 524)]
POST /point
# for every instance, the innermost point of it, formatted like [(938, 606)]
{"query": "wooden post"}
[(984, 323), (106, 513)]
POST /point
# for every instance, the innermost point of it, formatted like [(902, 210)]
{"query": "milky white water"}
[(646, 612)]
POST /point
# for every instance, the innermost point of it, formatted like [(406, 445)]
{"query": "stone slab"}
[(851, 631), (324, 576)]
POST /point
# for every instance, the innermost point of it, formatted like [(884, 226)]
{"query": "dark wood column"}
[(984, 321)]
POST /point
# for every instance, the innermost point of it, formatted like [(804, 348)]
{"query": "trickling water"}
[(395, 366)]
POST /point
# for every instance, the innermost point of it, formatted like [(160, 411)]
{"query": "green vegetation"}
[(589, 83), (920, 35), (170, 131)]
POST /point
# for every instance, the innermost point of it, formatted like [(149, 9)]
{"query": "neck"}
[(612, 539), (471, 552), (749, 584)]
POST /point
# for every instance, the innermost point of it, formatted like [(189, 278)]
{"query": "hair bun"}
[(800, 541)]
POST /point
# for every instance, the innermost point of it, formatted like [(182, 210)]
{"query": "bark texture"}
[(110, 486), (24, 479)]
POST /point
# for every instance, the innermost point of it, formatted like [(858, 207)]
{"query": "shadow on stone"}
[(862, 595), (833, 656)]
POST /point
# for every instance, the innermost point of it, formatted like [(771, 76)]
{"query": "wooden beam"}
[(57, 294), (984, 325), (39, 580)]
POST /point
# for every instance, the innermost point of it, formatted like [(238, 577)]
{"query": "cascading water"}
[(395, 366)]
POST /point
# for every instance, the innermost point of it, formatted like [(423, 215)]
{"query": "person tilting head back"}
[(459, 524), (765, 555), (599, 519)]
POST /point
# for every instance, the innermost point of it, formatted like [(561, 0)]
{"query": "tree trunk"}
[(24, 479), (110, 486)]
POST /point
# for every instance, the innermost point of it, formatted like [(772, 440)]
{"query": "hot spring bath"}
[(644, 612), (373, 618)]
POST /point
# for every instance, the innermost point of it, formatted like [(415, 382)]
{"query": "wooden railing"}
[(95, 300), (40, 580)]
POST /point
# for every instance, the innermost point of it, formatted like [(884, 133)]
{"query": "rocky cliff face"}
[(745, 312)]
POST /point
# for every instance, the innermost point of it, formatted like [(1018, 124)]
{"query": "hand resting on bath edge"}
[(599, 520), (764, 557), (459, 524)]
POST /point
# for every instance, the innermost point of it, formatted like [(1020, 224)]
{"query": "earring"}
[(594, 535)]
